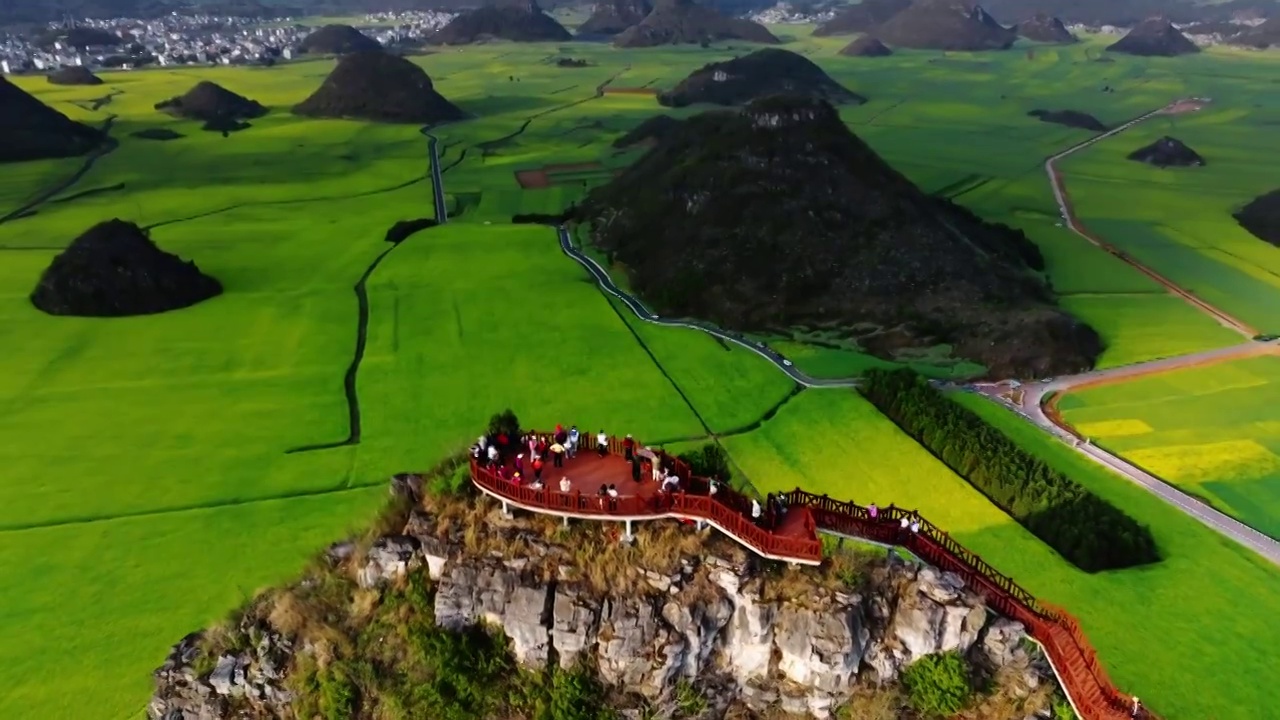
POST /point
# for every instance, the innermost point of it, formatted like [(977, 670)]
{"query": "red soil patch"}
[(572, 167), (630, 91), (533, 179), (1184, 106)]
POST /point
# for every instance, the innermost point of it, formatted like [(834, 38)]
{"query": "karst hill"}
[(1045, 28), (73, 75), (866, 46), (614, 16), (1167, 152), (954, 25), (1262, 217), (1154, 37), (337, 40), (861, 17), (514, 20), (379, 87), (31, 130), (777, 215), (770, 71), (115, 270), (681, 22), (219, 108)]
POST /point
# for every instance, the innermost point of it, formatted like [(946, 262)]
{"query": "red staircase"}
[(1092, 693)]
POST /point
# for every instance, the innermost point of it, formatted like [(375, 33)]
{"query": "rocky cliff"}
[(678, 609)]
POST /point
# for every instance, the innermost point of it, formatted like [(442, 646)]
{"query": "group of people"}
[(771, 514)]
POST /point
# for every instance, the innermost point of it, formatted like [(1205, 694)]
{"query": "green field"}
[(136, 447), (834, 442), (1211, 431)]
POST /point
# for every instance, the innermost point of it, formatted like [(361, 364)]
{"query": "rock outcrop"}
[(73, 75), (31, 130), (514, 20), (338, 40), (1070, 118), (861, 17), (1261, 216), (715, 621), (945, 25), (1167, 152), (684, 22), (614, 16), (1045, 28), (213, 104), (866, 46), (770, 71), (115, 270), (1154, 37), (379, 87)]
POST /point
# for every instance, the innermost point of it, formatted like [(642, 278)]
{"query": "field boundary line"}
[(108, 146)]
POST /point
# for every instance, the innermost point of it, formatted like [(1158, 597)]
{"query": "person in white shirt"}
[(755, 511), (493, 454), (573, 441), (602, 443), (905, 522), (565, 485), (915, 525)]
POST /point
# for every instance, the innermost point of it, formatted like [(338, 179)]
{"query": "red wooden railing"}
[(1094, 695)]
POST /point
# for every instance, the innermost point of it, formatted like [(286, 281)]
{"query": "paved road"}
[(437, 183), (606, 284)]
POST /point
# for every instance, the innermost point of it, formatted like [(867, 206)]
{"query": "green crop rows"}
[(148, 489)]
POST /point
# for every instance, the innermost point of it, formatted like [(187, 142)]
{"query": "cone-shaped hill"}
[(213, 104), (770, 71), (1262, 217), (680, 22), (866, 46), (945, 25), (777, 215), (379, 87), (74, 75), (337, 40), (1167, 152), (1154, 37), (115, 270), (31, 130), (1045, 28), (614, 16), (514, 20), (861, 17)]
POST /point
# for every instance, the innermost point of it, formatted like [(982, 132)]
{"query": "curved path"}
[(607, 285)]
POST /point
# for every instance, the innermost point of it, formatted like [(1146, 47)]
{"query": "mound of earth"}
[(515, 20), (1262, 217), (1167, 152), (945, 25), (862, 17), (74, 75), (614, 16), (568, 62), (655, 128), (680, 22), (1259, 36), (1154, 37), (31, 130), (157, 134), (379, 87), (770, 71), (115, 270), (777, 215), (1070, 118), (1045, 28), (866, 46), (211, 102), (337, 40)]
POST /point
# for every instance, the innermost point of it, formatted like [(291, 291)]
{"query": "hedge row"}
[(1085, 529)]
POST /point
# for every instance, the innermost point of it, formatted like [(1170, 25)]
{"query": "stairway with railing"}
[(1092, 693)]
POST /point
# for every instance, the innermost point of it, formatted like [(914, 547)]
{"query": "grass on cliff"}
[(1211, 431), (834, 442)]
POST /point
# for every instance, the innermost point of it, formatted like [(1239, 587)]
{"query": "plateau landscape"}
[(695, 359)]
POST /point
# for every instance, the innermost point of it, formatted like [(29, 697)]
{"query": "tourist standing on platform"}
[(557, 455), (493, 455), (519, 463), (537, 468), (573, 441), (603, 494), (613, 498), (635, 469), (531, 442), (755, 511), (873, 511), (561, 437), (628, 448), (565, 485), (602, 443)]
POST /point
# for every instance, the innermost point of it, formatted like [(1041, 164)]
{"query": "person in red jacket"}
[(537, 468)]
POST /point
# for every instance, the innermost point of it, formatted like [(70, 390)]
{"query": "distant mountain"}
[(1167, 152), (337, 40), (770, 71), (681, 22), (777, 215), (31, 130), (515, 20), (866, 46), (1259, 36), (1126, 13), (380, 87), (614, 16), (945, 25), (1262, 217), (1045, 28), (862, 17), (1154, 37)]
